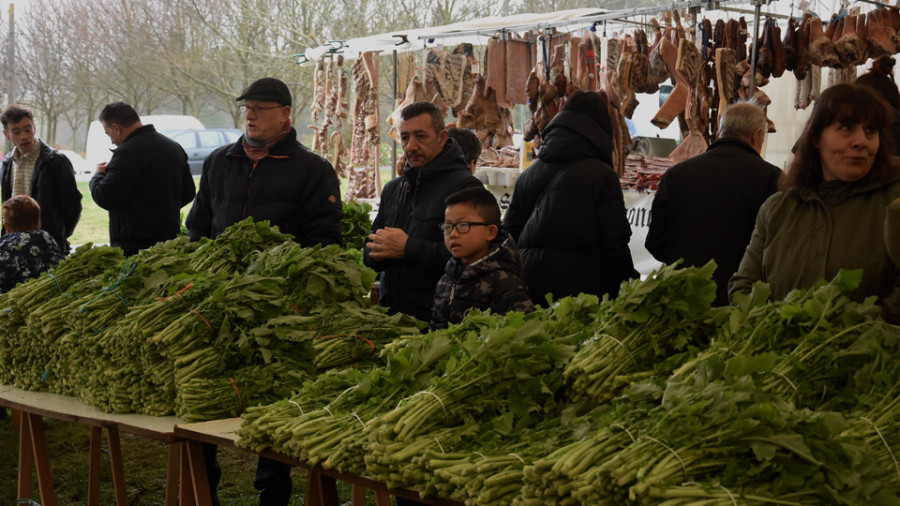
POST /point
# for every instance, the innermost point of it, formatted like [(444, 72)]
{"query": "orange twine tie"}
[(238, 392)]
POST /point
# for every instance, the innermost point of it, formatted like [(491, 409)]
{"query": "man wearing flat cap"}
[(268, 175)]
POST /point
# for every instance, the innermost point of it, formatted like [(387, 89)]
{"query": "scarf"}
[(257, 150)]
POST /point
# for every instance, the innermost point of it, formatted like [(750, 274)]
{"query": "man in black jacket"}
[(145, 183), (705, 208), (268, 175), (36, 170), (406, 244)]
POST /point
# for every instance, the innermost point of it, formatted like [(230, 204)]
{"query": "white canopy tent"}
[(788, 121)]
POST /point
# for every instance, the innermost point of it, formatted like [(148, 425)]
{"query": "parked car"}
[(198, 144), (99, 148)]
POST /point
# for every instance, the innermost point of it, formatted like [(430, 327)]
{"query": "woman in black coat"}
[(567, 212)]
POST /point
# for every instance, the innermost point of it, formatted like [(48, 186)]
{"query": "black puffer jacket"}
[(292, 187), (407, 285), (53, 187), (147, 181), (568, 215), (493, 282)]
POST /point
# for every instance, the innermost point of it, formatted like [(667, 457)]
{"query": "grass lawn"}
[(94, 223)]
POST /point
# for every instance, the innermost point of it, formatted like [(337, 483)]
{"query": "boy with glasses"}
[(485, 270)]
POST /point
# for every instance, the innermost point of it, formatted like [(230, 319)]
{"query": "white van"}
[(99, 148)]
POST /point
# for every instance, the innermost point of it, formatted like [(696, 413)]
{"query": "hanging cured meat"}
[(880, 43), (675, 104), (495, 70), (364, 181), (725, 78), (658, 71), (319, 89), (518, 67), (415, 92), (821, 48)]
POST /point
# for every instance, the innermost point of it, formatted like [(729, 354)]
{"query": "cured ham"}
[(364, 181)]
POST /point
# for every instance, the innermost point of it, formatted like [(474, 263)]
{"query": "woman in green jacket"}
[(830, 213)]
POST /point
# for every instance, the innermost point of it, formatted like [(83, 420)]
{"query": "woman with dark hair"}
[(831, 211), (567, 213), (25, 250)]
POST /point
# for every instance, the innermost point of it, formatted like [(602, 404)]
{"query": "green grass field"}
[(94, 223)]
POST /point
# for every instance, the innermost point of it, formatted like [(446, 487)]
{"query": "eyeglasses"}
[(256, 110), (462, 227)]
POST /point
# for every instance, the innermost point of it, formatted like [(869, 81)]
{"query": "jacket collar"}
[(838, 191), (145, 129), (503, 251), (450, 158), (286, 148), (732, 142)]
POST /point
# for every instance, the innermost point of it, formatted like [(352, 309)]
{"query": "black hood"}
[(574, 135)]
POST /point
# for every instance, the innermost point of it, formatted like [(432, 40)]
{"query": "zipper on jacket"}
[(250, 177), (247, 196)]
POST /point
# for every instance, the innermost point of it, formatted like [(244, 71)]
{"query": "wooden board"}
[(60, 407)]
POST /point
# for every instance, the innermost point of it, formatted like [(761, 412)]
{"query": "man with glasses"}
[(268, 175), (406, 244)]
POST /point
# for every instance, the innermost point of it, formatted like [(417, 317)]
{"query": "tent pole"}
[(393, 141)]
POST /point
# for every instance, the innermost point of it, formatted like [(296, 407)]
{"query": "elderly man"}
[(406, 244), (268, 175), (36, 170), (145, 183), (705, 208)]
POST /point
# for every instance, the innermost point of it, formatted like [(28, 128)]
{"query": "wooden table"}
[(33, 443), (321, 486)]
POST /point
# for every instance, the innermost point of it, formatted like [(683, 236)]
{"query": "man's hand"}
[(387, 244), (101, 168)]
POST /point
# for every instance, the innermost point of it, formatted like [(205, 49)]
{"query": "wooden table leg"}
[(118, 466), (93, 498), (198, 473), (321, 490), (41, 457), (172, 474), (313, 489), (26, 459), (382, 497), (357, 495), (329, 491), (186, 488)]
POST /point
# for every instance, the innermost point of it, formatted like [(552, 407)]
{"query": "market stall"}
[(653, 397), (668, 73)]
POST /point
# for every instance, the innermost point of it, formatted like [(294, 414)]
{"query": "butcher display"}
[(329, 110), (707, 62)]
